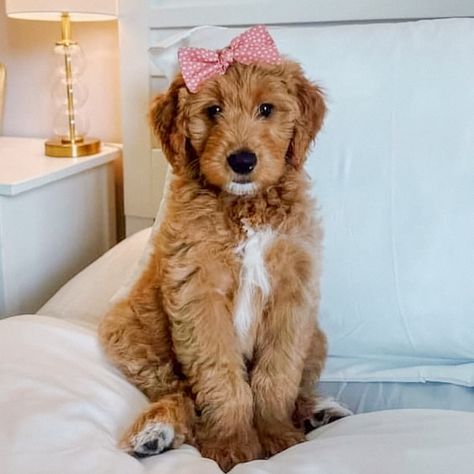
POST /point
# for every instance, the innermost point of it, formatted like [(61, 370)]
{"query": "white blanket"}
[(62, 409)]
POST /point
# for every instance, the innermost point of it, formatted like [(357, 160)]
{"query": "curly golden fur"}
[(175, 336)]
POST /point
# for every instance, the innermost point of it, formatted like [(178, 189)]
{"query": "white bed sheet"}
[(62, 409)]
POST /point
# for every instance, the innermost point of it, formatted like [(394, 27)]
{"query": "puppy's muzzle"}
[(242, 162)]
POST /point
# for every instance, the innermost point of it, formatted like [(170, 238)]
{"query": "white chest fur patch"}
[(253, 276)]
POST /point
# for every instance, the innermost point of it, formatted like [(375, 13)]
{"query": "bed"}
[(393, 175)]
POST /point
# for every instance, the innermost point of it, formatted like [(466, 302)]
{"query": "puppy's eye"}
[(213, 111), (265, 110)]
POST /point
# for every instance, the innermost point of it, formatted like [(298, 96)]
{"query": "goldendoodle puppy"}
[(220, 331)]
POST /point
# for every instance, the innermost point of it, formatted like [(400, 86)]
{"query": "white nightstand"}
[(56, 217)]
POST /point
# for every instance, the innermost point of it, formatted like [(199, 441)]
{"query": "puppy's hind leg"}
[(136, 338), (312, 413), (311, 410), (326, 410)]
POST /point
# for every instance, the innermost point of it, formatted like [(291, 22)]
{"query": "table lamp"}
[(70, 125)]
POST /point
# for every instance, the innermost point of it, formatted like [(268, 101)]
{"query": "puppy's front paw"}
[(228, 452), (326, 410), (276, 441), (154, 438)]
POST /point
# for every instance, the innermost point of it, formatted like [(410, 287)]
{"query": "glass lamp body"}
[(69, 94)]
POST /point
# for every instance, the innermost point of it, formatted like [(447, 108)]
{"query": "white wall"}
[(26, 50)]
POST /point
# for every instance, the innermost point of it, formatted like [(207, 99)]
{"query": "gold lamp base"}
[(58, 148)]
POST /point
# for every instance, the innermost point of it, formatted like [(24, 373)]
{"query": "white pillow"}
[(85, 298), (393, 171)]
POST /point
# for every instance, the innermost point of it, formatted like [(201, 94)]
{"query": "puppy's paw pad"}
[(326, 411), (154, 438)]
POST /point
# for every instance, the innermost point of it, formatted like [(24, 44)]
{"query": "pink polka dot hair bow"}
[(252, 46)]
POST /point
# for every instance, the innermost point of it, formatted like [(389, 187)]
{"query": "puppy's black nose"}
[(242, 162)]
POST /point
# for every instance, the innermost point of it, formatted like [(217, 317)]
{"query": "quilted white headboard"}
[(2, 93), (143, 23)]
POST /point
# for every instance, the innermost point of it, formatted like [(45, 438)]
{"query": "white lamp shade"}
[(50, 10)]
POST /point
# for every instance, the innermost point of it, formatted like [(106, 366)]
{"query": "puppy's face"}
[(242, 129)]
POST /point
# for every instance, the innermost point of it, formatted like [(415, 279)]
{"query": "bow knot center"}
[(226, 56)]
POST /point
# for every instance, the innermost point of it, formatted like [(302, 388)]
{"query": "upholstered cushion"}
[(393, 170)]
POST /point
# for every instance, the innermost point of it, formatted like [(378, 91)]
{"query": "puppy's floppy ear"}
[(311, 114), (168, 123)]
